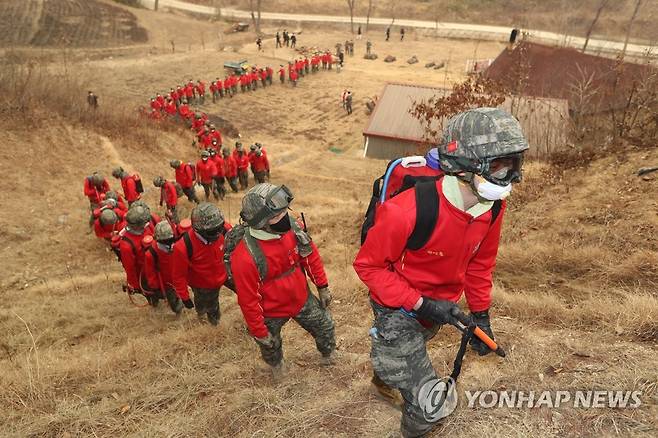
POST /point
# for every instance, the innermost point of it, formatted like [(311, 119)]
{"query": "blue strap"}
[(387, 176)]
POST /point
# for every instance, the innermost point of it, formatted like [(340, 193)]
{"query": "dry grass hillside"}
[(575, 299)]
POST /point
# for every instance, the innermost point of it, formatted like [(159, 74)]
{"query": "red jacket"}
[(189, 90), (230, 167), (205, 269), (459, 257), (241, 161), (132, 256), (218, 161), (198, 124), (107, 231), (284, 291), (200, 88), (282, 72), (160, 99), (168, 194), (205, 171), (173, 94), (184, 111), (216, 135), (184, 175), (130, 188), (93, 193), (260, 164), (161, 270), (170, 108), (293, 75)]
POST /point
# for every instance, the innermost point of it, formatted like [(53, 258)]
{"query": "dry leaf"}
[(125, 409)]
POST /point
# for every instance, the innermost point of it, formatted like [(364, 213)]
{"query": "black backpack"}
[(427, 208)]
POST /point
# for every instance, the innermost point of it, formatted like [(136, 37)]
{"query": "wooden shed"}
[(393, 132)]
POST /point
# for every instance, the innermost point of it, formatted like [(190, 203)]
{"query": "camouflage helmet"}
[(163, 231), (175, 163), (474, 139), (141, 203), (112, 195), (207, 217), (158, 181), (263, 202), (108, 217), (137, 216), (97, 179), (225, 151), (110, 202), (253, 147), (205, 154), (118, 172), (238, 144)]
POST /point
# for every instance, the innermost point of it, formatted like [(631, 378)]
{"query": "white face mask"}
[(489, 190)]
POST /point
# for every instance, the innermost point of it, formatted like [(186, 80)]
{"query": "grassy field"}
[(575, 299)]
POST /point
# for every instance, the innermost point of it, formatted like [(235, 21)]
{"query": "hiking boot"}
[(329, 359), (213, 318), (386, 393), (279, 372)]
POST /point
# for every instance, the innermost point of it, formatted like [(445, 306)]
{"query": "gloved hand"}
[(482, 321), (267, 341), (437, 311), (189, 304), (325, 297)]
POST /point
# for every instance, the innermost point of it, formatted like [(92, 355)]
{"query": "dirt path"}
[(112, 152), (443, 29)]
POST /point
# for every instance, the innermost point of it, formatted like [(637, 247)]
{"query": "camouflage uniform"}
[(206, 302), (312, 318), (399, 358)]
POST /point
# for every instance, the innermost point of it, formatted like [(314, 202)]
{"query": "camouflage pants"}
[(233, 182), (243, 176), (312, 318), (207, 188), (260, 177), (191, 194), (399, 358), (218, 189), (206, 302)]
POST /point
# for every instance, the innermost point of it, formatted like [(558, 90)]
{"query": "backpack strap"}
[(131, 243), (427, 214), (154, 254), (495, 210), (188, 245), (256, 253)]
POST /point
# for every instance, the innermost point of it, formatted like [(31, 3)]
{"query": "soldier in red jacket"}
[(219, 191), (215, 135), (185, 177), (199, 262), (206, 171), (95, 185), (414, 291), (269, 73), (157, 275), (108, 224), (288, 258), (230, 169), (120, 203), (200, 89), (168, 196), (128, 184), (242, 161), (282, 74), (259, 165), (130, 245), (170, 107)]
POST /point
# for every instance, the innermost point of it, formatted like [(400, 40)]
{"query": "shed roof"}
[(544, 121)]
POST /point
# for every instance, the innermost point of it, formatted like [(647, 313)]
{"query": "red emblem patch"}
[(452, 146)]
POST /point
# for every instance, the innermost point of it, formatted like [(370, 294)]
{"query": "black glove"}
[(437, 311), (188, 304), (482, 321)]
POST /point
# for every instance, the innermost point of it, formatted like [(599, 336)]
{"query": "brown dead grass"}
[(574, 304)]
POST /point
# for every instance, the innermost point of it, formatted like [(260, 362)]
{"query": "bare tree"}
[(350, 4), (368, 15), (596, 18), (630, 26), (155, 7), (393, 10), (255, 14)]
